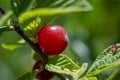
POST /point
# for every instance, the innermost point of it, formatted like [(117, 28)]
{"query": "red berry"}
[(37, 65), (44, 75), (52, 39)]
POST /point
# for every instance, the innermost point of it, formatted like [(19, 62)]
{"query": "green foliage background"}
[(89, 34)]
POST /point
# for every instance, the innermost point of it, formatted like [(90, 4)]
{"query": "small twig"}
[(2, 11), (35, 46)]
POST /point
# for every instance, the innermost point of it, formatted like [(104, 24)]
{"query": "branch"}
[(35, 46)]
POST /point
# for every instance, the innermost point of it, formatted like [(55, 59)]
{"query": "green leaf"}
[(109, 58), (11, 46), (88, 78), (28, 76), (55, 7), (64, 65), (114, 75), (92, 78), (21, 41), (5, 17), (3, 29), (32, 29), (79, 73), (18, 6)]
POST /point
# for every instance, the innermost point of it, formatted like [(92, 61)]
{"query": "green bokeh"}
[(89, 34)]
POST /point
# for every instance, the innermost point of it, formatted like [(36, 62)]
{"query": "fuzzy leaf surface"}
[(64, 65), (109, 58)]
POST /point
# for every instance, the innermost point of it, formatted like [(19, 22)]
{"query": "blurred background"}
[(89, 34)]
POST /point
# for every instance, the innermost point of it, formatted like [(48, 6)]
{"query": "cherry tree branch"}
[(34, 46)]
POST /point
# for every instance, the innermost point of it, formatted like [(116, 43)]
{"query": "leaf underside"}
[(34, 8), (64, 65)]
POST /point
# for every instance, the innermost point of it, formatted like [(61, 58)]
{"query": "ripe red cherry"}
[(37, 65), (52, 39), (44, 75)]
